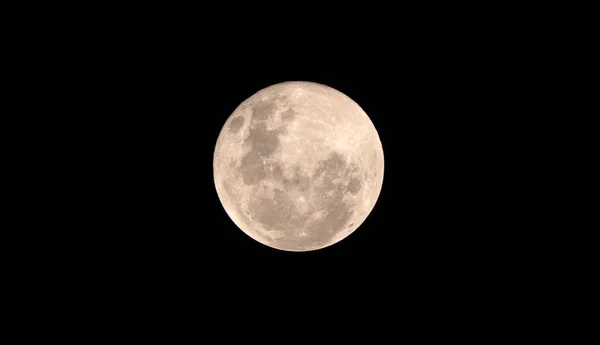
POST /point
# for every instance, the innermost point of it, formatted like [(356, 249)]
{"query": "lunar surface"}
[(298, 166)]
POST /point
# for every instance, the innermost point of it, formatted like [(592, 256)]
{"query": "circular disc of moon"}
[(298, 166)]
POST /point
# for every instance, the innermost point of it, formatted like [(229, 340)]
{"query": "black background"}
[(155, 92), (433, 219), (133, 99)]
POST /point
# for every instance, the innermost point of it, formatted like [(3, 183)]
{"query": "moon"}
[(298, 166)]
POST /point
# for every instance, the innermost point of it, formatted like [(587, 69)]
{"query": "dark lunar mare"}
[(236, 124), (261, 142)]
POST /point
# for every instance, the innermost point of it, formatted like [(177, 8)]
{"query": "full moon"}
[(298, 166)]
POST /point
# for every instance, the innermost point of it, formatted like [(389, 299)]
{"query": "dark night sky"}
[(141, 94), (164, 95), (425, 106)]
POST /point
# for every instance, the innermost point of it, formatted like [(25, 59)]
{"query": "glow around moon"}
[(298, 166)]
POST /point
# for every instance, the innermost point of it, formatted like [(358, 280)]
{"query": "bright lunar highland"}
[(298, 166)]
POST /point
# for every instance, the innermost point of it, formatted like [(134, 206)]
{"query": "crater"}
[(335, 219), (236, 124), (330, 195), (328, 215)]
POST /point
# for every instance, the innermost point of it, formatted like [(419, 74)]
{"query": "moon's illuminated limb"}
[(298, 166)]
